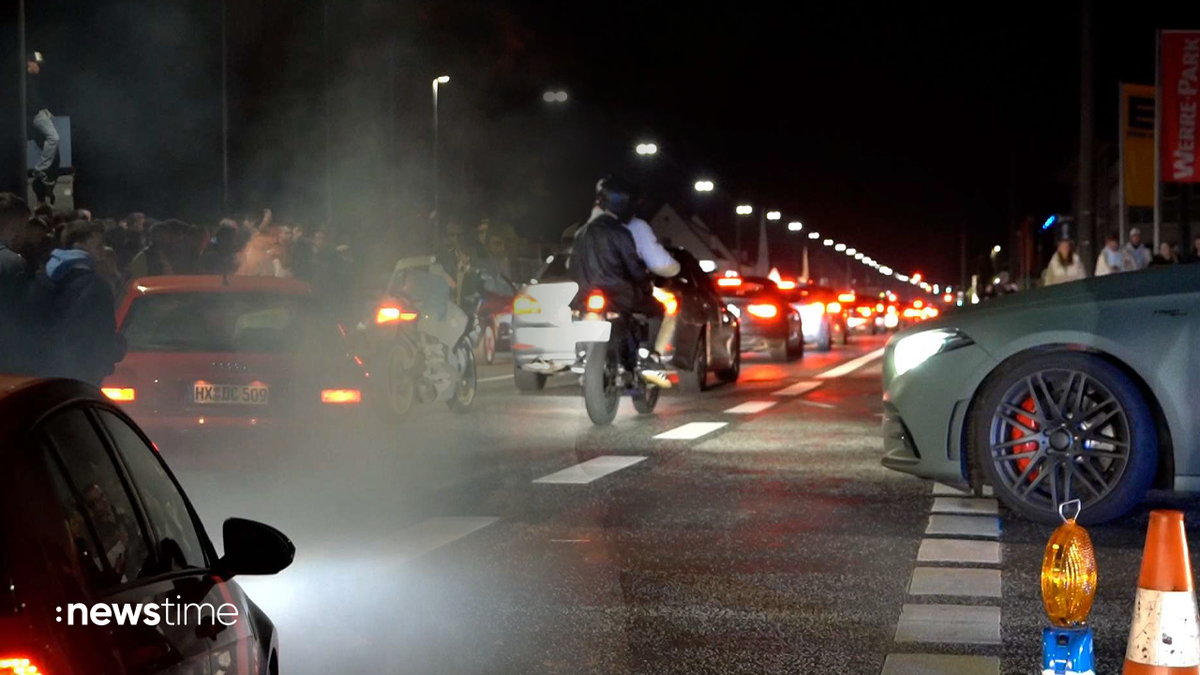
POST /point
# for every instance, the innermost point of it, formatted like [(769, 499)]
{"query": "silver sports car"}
[(1087, 390)]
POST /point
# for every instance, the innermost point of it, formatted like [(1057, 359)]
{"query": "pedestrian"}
[(75, 307), (153, 260), (1165, 256), (1193, 254), (1111, 259), (41, 120), (14, 218), (38, 243), (14, 214), (1135, 252), (1064, 266), (220, 257)]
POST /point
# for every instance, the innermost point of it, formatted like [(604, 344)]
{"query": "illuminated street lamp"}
[(774, 215), (744, 209), (858, 256), (795, 226), (996, 249), (839, 248), (851, 251), (704, 186), (828, 242), (646, 149), (814, 235), (555, 97)]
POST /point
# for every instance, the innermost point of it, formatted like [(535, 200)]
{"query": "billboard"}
[(1179, 83)]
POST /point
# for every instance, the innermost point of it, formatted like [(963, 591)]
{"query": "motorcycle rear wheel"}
[(601, 384)]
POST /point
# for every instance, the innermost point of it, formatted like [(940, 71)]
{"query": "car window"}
[(178, 540), (97, 509), (219, 322)]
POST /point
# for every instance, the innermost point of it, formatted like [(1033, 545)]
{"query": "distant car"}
[(1082, 390), (707, 334), (96, 519), (771, 318), (238, 352), (823, 314)]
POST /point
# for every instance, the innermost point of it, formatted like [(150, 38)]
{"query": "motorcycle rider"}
[(605, 258)]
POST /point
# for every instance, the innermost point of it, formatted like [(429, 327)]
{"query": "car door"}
[(115, 544), (227, 638)]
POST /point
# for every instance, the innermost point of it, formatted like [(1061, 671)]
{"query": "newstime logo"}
[(165, 613)]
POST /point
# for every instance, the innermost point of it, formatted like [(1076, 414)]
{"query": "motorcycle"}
[(421, 344), (609, 365)]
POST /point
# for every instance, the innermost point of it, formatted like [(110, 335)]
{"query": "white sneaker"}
[(657, 377)]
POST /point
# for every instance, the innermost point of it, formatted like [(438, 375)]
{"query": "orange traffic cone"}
[(1164, 639)]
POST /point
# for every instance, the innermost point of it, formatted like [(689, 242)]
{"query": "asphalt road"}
[(749, 529)]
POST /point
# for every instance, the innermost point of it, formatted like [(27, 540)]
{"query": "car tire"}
[(696, 379), (734, 371), (1080, 399), (795, 349), (779, 350), (489, 345), (395, 395), (646, 399), (527, 381)]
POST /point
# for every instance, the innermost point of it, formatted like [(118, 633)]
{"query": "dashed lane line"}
[(959, 551), (940, 664), (851, 365), (949, 624), (968, 582), (963, 526), (586, 472), (750, 407), (798, 389), (690, 431)]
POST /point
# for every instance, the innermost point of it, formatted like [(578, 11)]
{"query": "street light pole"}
[(436, 205)]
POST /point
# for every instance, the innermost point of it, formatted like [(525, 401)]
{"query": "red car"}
[(237, 352)]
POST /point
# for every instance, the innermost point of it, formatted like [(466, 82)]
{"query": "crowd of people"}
[(61, 272), (1066, 265)]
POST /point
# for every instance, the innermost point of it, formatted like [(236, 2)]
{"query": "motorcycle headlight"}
[(913, 350)]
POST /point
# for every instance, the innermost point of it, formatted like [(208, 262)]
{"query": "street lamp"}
[(996, 249), (646, 148), (704, 186), (442, 79), (774, 215), (839, 248), (858, 256), (828, 242), (851, 251), (814, 235), (795, 226), (744, 209), (555, 97)]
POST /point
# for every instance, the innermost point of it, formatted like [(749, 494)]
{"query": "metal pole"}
[(22, 168), (1086, 206), (325, 93), (962, 239), (737, 242), (436, 215), (224, 113)]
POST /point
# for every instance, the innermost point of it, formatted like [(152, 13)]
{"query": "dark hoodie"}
[(77, 317)]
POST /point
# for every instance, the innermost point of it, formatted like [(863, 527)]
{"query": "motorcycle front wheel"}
[(464, 390), (601, 384), (398, 392)]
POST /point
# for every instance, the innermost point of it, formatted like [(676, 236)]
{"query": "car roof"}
[(25, 400), (211, 283)]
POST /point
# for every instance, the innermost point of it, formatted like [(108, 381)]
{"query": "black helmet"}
[(617, 196)]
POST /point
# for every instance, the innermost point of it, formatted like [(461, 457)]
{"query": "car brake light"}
[(834, 308), (918, 304), (669, 302), (948, 298), (763, 311), (729, 281), (524, 304), (785, 284), (818, 307), (18, 665), (864, 311), (391, 313), (341, 396), (595, 302), (879, 307), (121, 394), (846, 297)]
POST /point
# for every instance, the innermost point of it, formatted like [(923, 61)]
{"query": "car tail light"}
[(18, 665), (891, 309), (864, 311), (669, 302), (763, 311), (948, 298), (834, 308), (910, 313), (393, 313), (846, 297), (785, 284), (818, 307), (525, 304), (728, 282), (879, 307), (596, 302), (120, 394), (918, 304), (341, 396)]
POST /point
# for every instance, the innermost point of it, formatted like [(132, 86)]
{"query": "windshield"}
[(218, 322)]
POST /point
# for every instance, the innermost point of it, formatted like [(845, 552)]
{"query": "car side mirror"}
[(253, 548)]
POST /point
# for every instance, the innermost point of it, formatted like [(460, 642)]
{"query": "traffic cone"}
[(1164, 638)]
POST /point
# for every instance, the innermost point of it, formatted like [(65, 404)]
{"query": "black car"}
[(769, 320), (707, 335), (97, 528)]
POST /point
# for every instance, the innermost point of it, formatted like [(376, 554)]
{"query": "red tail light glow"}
[(341, 396), (669, 302), (846, 297), (785, 284), (119, 394), (834, 308), (392, 313), (524, 304), (596, 302), (728, 282), (918, 304), (763, 311), (18, 665)]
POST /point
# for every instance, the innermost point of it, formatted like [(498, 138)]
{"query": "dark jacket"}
[(14, 345), (604, 257), (77, 315)]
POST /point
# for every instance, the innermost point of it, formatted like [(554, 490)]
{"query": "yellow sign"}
[(1137, 143)]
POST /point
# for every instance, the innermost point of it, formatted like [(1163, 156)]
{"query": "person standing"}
[(1165, 256), (1135, 252), (1111, 258), (40, 118), (1064, 266), (14, 280), (1193, 254)]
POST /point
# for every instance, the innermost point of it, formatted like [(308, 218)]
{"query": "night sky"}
[(890, 128)]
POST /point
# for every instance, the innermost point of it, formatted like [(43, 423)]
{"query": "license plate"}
[(238, 394)]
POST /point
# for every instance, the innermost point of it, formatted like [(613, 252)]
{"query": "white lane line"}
[(940, 664), (750, 407), (434, 533), (799, 389), (964, 526), (496, 378), (966, 506), (941, 489), (959, 551), (956, 581), (959, 624), (586, 472), (851, 366), (690, 431), (816, 404)]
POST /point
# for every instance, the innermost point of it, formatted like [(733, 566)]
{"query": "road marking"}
[(816, 404), (959, 551), (799, 389), (851, 366), (432, 534), (570, 541), (961, 624), (966, 505), (586, 472), (496, 378), (956, 581), (940, 664), (965, 526), (690, 431), (941, 489), (750, 407)]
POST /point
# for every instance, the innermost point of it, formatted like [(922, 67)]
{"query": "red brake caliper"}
[(1016, 433)]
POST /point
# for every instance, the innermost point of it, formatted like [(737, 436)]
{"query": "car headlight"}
[(913, 350)]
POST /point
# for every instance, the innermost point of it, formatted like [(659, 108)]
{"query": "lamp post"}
[(443, 79), (741, 210)]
